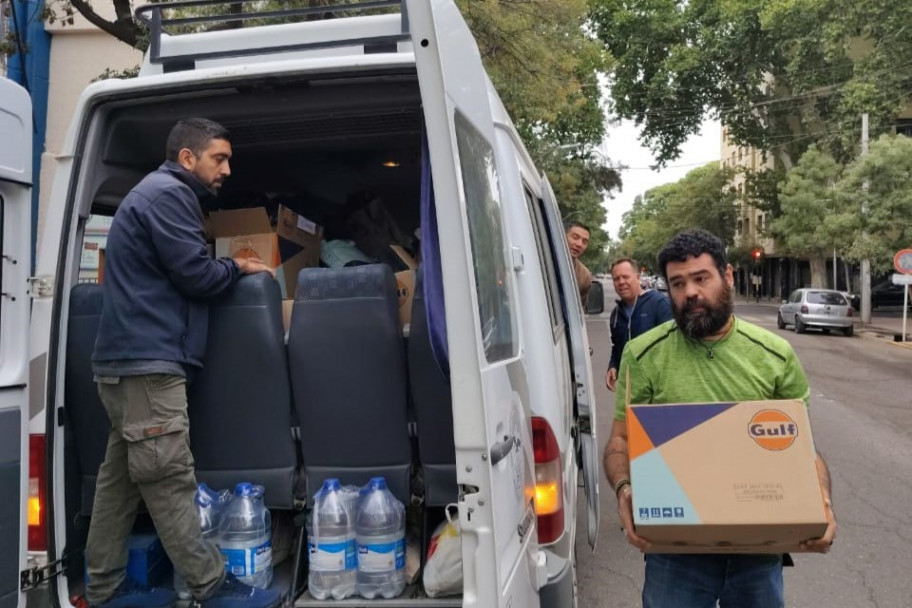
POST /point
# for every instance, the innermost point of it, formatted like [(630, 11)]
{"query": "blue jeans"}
[(699, 581)]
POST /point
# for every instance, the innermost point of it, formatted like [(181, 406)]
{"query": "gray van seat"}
[(348, 377), (86, 416), (432, 403), (240, 402)]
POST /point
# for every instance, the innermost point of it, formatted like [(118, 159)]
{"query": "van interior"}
[(347, 390)]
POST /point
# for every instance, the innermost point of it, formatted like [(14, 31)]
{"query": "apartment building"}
[(767, 272)]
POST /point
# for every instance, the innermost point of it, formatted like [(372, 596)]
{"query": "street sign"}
[(902, 261)]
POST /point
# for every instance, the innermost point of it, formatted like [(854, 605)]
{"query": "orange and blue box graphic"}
[(724, 477)]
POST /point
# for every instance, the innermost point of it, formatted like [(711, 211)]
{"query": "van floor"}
[(410, 598)]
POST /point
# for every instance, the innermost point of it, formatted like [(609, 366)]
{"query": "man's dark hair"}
[(195, 134), (693, 243), (575, 224)]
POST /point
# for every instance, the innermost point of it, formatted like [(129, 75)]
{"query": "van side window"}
[(480, 182), (544, 254), (95, 237)]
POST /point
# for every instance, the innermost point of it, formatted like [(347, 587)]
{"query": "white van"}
[(481, 396)]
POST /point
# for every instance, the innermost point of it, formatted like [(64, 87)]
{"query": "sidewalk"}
[(883, 326)]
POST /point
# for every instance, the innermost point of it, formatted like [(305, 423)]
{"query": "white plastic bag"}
[(443, 570)]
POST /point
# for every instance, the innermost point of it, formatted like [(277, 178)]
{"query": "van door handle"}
[(499, 451)]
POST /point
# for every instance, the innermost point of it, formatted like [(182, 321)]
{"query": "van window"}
[(826, 297), (480, 182), (547, 263)]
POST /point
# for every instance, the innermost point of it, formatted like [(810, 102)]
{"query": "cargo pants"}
[(148, 457)]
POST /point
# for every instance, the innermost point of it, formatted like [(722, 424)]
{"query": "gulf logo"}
[(773, 430)]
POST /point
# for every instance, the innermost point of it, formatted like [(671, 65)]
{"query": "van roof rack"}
[(151, 15)]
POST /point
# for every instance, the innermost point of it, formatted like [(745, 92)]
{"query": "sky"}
[(622, 146)]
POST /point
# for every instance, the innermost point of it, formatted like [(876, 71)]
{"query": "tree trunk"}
[(845, 266), (818, 271)]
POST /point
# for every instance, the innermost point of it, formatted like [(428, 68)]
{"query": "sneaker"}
[(130, 594), (232, 593)]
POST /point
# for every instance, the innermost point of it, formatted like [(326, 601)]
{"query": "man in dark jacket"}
[(637, 311), (158, 280)]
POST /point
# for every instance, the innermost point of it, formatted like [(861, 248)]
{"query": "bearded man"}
[(705, 354)]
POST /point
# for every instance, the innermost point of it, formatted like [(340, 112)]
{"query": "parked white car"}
[(823, 309)]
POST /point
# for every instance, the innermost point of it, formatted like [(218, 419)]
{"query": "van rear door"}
[(502, 564), (584, 389), (15, 231)]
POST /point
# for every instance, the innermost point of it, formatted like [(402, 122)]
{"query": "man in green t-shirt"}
[(705, 354)]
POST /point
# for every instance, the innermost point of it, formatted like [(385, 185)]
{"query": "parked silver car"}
[(821, 308)]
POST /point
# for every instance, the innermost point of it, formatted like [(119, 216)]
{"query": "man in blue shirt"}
[(637, 311)]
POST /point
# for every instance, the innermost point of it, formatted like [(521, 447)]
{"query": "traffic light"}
[(756, 254)]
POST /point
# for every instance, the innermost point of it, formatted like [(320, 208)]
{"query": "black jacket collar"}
[(198, 187)]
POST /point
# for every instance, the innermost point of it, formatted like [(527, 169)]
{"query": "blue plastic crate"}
[(147, 564)]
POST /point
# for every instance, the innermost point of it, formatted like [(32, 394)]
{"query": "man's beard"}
[(698, 324)]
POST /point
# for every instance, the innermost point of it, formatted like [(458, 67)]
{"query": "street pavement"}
[(861, 413)]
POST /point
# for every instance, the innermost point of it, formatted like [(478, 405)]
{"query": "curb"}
[(885, 335)]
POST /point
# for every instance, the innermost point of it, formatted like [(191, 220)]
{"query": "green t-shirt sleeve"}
[(793, 384), (640, 387)]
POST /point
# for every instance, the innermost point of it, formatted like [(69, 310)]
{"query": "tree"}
[(780, 75), (875, 194), (701, 199), (805, 227)]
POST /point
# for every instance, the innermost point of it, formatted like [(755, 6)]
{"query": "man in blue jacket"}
[(637, 311), (159, 278)]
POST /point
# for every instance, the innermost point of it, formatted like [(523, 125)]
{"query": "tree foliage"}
[(805, 227), (703, 198), (780, 75), (875, 196)]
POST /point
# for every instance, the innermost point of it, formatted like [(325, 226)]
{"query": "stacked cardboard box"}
[(292, 244)]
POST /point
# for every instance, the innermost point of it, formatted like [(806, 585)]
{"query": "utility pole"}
[(865, 264)]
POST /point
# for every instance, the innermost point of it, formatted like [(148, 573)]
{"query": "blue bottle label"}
[(248, 561), (332, 556), (381, 557)]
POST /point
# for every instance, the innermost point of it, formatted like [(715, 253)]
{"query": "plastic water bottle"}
[(245, 536), (208, 505), (331, 544), (380, 532)]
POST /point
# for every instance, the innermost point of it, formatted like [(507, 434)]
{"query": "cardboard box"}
[(724, 477), (287, 306), (101, 264), (405, 283), (292, 244)]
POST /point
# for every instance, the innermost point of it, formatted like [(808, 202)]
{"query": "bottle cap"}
[(243, 489), (330, 484), (377, 483)]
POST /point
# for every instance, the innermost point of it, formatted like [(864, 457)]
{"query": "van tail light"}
[(804, 309), (549, 491), (850, 312), (37, 516)]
